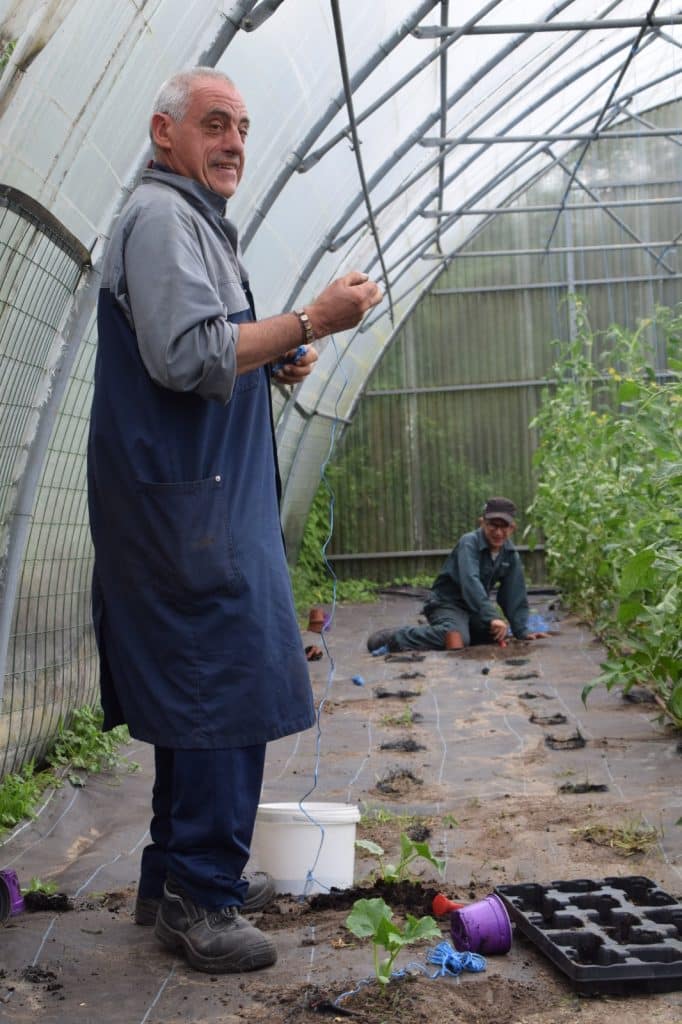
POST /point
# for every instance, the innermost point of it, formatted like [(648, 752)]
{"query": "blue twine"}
[(379, 651), (538, 624), (449, 961), (310, 878)]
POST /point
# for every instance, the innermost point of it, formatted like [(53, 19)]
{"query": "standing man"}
[(200, 651), (481, 562)]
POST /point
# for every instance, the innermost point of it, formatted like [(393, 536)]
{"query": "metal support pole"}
[(608, 24)]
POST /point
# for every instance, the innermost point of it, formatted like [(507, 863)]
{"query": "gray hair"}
[(174, 95)]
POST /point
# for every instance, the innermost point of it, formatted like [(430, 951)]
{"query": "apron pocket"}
[(183, 541)]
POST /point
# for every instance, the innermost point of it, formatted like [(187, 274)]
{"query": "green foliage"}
[(19, 794), (373, 919), (383, 816), (609, 495), (6, 51), (312, 581), (83, 744), (423, 579), (37, 885), (409, 851), (405, 718)]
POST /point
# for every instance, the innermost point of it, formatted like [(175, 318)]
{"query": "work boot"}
[(215, 941), (258, 895), (382, 638)]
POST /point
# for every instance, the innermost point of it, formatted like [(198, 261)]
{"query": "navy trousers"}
[(204, 807)]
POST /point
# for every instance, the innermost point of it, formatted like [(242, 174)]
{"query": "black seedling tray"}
[(616, 936)]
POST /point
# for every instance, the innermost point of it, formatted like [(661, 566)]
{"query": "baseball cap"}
[(500, 508)]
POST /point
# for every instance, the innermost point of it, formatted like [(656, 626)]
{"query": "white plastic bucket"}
[(286, 843)]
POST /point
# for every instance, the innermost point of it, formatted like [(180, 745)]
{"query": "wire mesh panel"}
[(42, 499)]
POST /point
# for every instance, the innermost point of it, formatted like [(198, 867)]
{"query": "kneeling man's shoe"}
[(382, 638), (215, 941)]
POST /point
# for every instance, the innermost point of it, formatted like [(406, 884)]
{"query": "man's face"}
[(496, 532), (208, 144)]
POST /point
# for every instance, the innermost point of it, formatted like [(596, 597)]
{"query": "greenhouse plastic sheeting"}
[(385, 137)]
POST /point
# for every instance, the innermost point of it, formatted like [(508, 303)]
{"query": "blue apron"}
[(197, 634)]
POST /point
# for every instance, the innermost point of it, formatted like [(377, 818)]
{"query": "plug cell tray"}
[(616, 935)]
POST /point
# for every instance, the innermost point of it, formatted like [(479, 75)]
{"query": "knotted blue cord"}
[(449, 961)]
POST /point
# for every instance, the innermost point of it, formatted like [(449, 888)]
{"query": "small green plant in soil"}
[(371, 816), (405, 719), (373, 919), (409, 852), (37, 885)]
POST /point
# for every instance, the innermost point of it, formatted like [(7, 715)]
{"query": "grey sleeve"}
[(185, 340)]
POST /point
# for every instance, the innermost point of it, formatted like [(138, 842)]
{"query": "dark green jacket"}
[(469, 574)]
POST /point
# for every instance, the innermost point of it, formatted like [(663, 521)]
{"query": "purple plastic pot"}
[(482, 927), (11, 900)]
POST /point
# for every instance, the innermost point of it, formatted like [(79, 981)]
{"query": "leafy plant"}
[(409, 852), (608, 495), (373, 919), (19, 794), (37, 885), (384, 816), (84, 745), (312, 580)]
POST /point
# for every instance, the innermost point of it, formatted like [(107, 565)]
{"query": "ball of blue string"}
[(449, 961)]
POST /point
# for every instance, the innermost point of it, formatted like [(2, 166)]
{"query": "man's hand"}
[(536, 636), (343, 303), (294, 372), (498, 628)]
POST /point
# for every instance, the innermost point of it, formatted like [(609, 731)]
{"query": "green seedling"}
[(37, 885), (409, 851), (450, 821), (405, 718), (371, 919), (384, 816)]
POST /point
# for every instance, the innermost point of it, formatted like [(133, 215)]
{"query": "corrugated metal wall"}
[(445, 417)]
